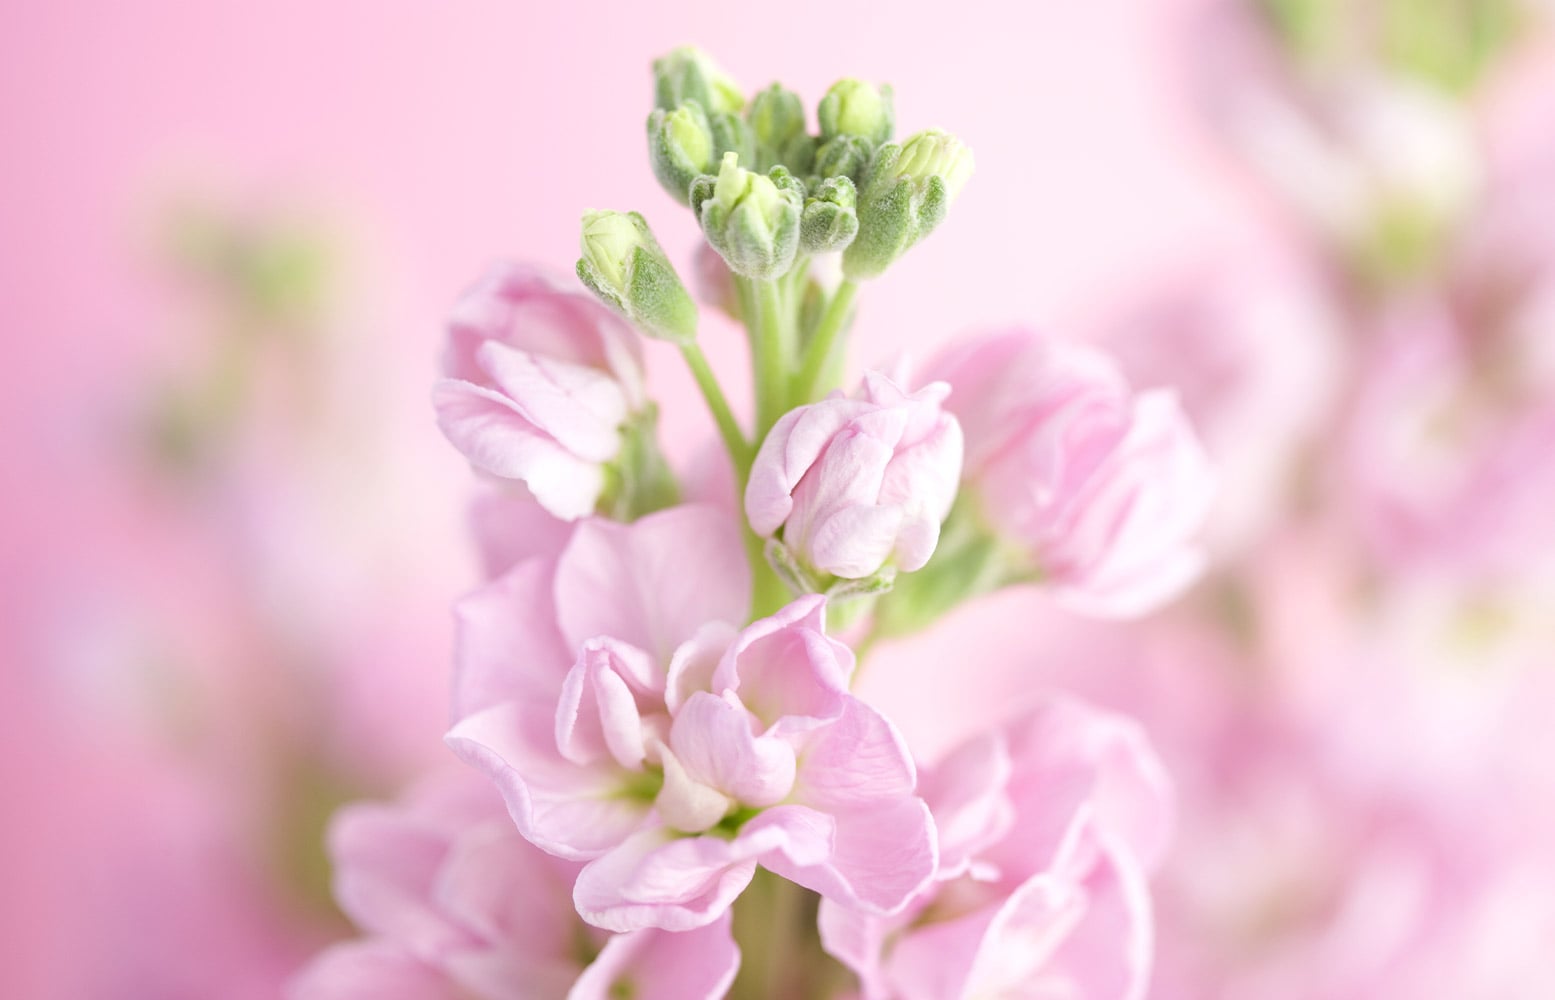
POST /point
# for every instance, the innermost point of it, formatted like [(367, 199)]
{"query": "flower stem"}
[(770, 356), (728, 428), (818, 352)]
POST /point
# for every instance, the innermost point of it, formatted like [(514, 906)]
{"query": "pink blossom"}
[(539, 382), (1105, 489), (1448, 459), (456, 905), (854, 483), (678, 751), (1048, 828)]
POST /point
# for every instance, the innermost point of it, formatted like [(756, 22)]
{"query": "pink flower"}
[(1048, 828), (678, 752), (539, 383), (458, 907), (1105, 489), (855, 483)]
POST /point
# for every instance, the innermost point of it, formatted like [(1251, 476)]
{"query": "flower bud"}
[(681, 147), (732, 134), (853, 107), (857, 487), (751, 219), (906, 192), (688, 74), (844, 156), (623, 265), (777, 121), (830, 219)]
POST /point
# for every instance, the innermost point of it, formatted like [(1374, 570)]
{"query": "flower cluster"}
[(662, 693)]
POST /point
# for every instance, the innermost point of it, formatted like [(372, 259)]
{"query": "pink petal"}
[(880, 856), (515, 897), (695, 661), (507, 646), (571, 811), (510, 527), (786, 670), (655, 582), (385, 866), (359, 969), (597, 713), (698, 964), (713, 739), (496, 437), (855, 542), (858, 760), (656, 879), (966, 794), (580, 408)]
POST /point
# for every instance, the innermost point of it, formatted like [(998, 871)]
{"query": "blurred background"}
[(232, 531)]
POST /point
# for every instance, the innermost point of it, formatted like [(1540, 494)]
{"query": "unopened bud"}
[(680, 147), (905, 194), (830, 219), (623, 265), (844, 156), (853, 107), (688, 74), (751, 219), (777, 119)]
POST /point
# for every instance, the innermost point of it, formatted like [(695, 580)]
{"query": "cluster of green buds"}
[(766, 191)]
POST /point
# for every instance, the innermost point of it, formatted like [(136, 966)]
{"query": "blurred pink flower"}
[(1450, 456), (457, 905), (539, 382), (1254, 356), (1103, 488), (1048, 827), (855, 483)]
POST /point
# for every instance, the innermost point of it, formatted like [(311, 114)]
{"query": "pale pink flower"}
[(1104, 488), (1048, 828), (457, 906), (673, 722), (855, 483), (540, 381)]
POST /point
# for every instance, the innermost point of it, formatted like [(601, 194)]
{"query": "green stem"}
[(818, 352), (770, 358), (728, 428)]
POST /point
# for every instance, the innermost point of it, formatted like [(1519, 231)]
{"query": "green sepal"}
[(830, 219), (688, 74), (681, 147)]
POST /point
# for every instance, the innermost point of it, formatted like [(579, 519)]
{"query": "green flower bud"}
[(732, 134), (751, 219), (853, 107), (687, 74), (830, 219), (777, 119), (906, 192), (844, 156), (680, 147), (623, 265)]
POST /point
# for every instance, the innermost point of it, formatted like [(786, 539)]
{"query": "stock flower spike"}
[(652, 709)]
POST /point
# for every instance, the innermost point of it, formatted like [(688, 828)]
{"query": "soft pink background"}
[(428, 139)]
